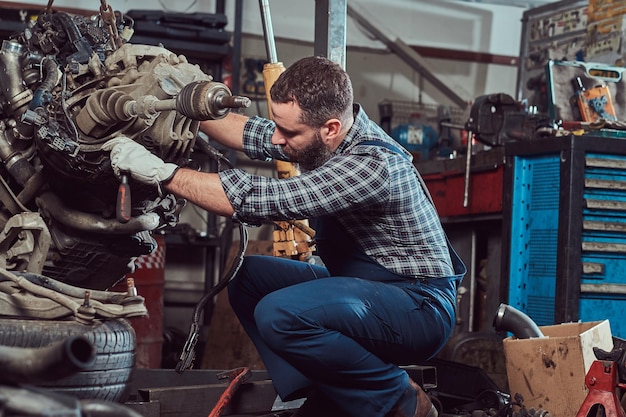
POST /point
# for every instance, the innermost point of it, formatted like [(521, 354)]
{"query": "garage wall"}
[(446, 24)]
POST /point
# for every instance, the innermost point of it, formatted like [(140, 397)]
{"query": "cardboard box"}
[(549, 372)]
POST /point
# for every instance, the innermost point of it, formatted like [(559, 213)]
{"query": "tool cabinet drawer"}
[(603, 242)]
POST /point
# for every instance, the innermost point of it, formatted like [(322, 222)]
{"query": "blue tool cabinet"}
[(564, 229)]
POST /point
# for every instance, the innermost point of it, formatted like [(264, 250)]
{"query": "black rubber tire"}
[(113, 339)]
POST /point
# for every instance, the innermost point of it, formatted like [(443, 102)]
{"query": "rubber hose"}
[(49, 363)]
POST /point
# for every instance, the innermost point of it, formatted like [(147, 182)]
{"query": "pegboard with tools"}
[(569, 30), (554, 31)]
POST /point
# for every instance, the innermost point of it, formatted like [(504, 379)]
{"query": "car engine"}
[(70, 83)]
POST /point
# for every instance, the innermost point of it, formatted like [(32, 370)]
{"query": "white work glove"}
[(130, 157)]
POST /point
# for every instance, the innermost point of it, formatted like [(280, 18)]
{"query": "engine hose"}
[(187, 354), (76, 39), (83, 308), (512, 320), (49, 68), (71, 304), (35, 365), (69, 290), (234, 268), (52, 205)]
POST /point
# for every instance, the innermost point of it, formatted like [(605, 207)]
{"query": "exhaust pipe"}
[(512, 320)]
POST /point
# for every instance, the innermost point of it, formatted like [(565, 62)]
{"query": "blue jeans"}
[(345, 336)]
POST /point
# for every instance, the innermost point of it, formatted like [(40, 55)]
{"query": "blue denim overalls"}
[(343, 328)]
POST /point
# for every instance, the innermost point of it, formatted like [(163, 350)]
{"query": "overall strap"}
[(387, 145), (457, 262), (397, 150)]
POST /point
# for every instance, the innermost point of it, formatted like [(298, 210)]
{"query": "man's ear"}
[(332, 129)]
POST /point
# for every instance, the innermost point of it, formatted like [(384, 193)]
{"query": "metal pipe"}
[(512, 320), (473, 283), (268, 31), (453, 125), (13, 90), (101, 408), (408, 55), (468, 168)]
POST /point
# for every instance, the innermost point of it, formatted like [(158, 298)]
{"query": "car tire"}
[(114, 341)]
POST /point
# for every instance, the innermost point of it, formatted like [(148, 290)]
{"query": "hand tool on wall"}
[(289, 241)]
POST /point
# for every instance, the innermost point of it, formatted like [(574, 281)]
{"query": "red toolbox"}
[(445, 180)]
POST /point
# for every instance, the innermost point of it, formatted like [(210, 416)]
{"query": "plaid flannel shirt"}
[(373, 191)]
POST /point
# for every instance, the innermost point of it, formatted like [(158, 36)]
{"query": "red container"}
[(485, 192), (149, 277)]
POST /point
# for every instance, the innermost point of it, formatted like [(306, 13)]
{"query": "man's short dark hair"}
[(321, 88)]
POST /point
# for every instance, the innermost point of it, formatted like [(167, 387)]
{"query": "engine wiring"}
[(69, 123)]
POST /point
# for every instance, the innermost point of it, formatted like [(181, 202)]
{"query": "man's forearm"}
[(228, 131), (202, 189)]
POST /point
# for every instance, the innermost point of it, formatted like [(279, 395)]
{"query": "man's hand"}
[(130, 157)]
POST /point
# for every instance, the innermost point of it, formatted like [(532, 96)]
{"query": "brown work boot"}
[(425, 407), (319, 405)]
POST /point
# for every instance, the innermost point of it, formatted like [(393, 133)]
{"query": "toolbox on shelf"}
[(585, 91)]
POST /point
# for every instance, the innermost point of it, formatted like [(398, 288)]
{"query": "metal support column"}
[(236, 59), (330, 30)]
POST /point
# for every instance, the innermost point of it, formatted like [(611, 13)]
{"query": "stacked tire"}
[(113, 339)]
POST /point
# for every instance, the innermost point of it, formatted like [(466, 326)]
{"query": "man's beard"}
[(313, 156)]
